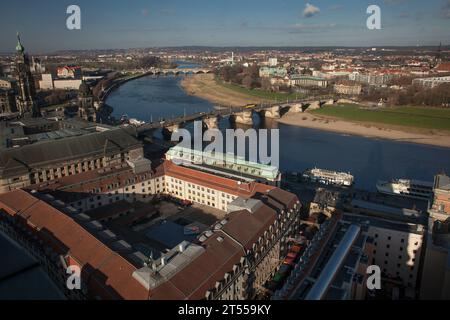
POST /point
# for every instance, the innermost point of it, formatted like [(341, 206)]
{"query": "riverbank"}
[(370, 130), (206, 87)]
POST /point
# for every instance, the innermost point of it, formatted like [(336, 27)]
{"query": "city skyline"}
[(143, 24)]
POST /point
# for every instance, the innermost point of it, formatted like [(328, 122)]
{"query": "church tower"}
[(86, 109), (26, 99)]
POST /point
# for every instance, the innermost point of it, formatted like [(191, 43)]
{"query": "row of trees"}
[(237, 74), (412, 95)]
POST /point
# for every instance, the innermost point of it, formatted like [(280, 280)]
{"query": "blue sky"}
[(139, 23)]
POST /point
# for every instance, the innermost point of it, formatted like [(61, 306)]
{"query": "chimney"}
[(181, 247), (163, 261)]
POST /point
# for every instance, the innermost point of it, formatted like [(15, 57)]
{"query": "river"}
[(369, 160)]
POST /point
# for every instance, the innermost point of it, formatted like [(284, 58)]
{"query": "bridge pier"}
[(271, 113), (168, 130), (295, 108), (244, 117), (211, 122), (314, 105)]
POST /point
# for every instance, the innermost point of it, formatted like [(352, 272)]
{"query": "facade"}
[(7, 101), (308, 81), (51, 159), (86, 109), (227, 165), (371, 78), (69, 72), (440, 205), (398, 241), (273, 62), (436, 271), (348, 88), (48, 83), (266, 72), (8, 83), (431, 82), (26, 99)]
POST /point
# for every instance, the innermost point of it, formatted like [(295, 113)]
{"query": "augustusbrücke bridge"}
[(241, 115)]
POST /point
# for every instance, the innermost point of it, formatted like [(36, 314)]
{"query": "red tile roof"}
[(201, 274), (443, 67), (106, 273), (211, 181)]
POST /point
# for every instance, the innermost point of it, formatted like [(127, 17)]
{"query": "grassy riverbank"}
[(415, 117)]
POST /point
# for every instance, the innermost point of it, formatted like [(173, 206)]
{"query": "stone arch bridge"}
[(241, 115)]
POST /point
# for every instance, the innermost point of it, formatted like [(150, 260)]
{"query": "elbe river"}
[(368, 159)]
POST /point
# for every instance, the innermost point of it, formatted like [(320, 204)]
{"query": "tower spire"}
[(19, 48)]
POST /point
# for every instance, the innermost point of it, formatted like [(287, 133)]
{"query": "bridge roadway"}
[(225, 112)]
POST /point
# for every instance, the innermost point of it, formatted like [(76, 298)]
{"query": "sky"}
[(114, 24)]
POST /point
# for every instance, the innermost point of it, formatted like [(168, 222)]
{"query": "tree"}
[(265, 84), (247, 81)]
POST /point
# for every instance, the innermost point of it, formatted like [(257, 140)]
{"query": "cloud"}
[(310, 10)]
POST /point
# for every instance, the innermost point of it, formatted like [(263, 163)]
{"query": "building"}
[(37, 66), (53, 158), (8, 83), (49, 83), (46, 82), (439, 206), (224, 262), (26, 99), (266, 72), (399, 237), (57, 240), (86, 109), (431, 82), (436, 271), (333, 266), (443, 67), (227, 165), (73, 72), (273, 62), (348, 88), (7, 101), (308, 81), (373, 79)]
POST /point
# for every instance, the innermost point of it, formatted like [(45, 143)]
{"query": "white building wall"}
[(397, 253)]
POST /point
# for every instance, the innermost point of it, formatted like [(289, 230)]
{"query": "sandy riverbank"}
[(430, 137), (204, 86)]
